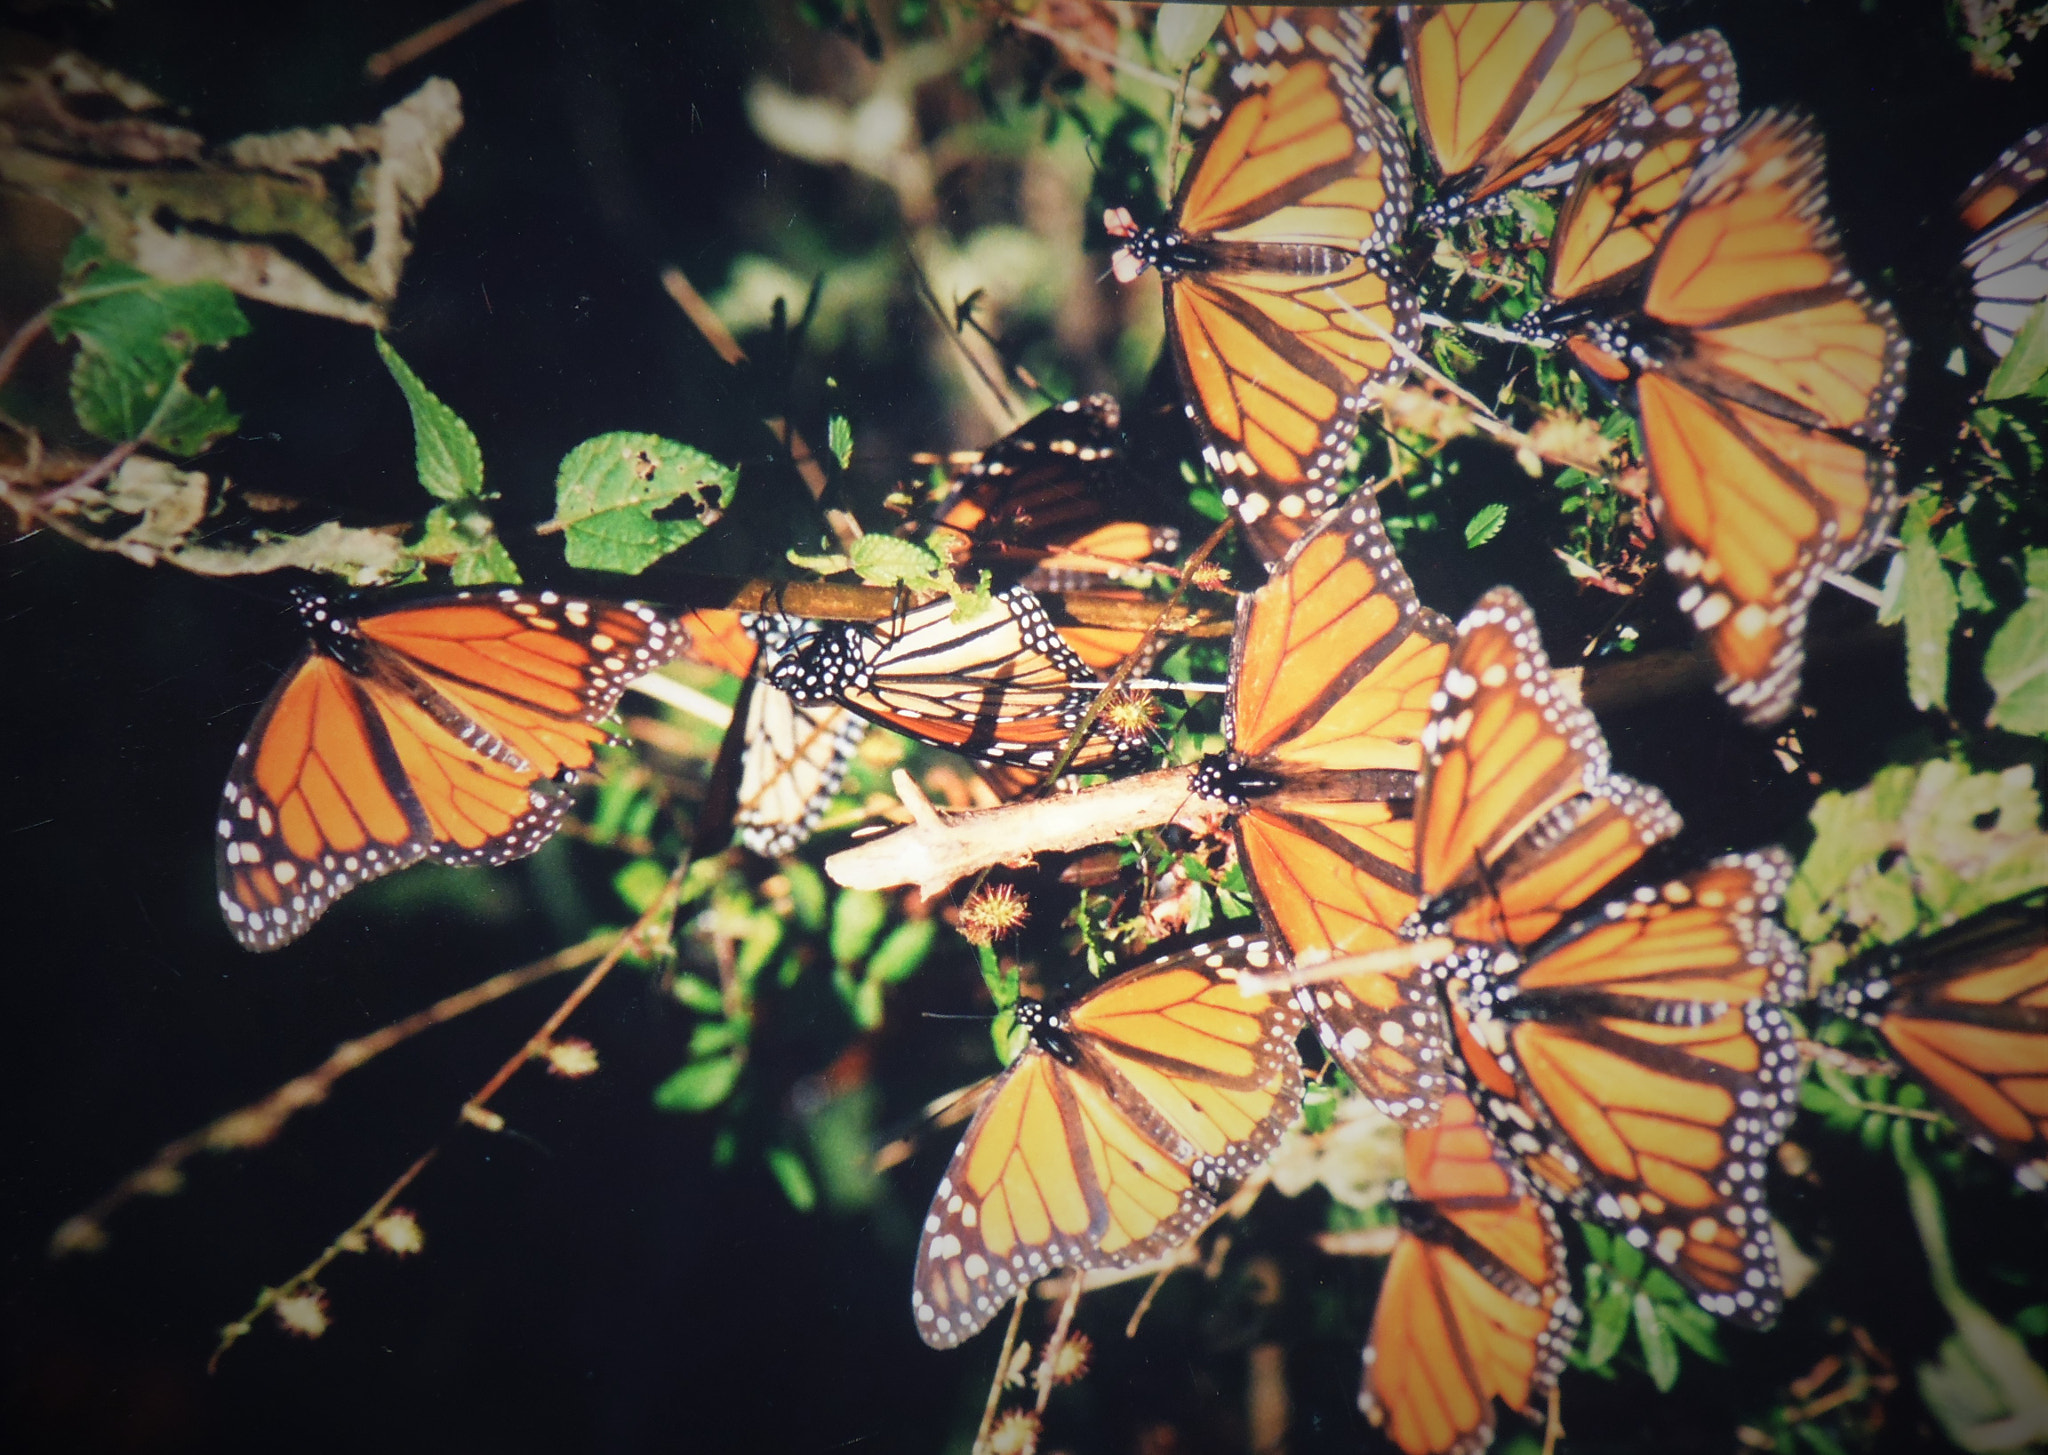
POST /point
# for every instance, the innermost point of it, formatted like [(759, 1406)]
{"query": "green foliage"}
[(1625, 1293), (839, 439), (2016, 662), (886, 560), (449, 460), (608, 490), (793, 1178), (137, 338), (700, 1085), (2025, 364), (1485, 524)]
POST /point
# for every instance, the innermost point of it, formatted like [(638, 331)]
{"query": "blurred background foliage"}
[(893, 208)]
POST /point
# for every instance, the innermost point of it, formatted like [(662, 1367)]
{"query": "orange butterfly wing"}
[(1519, 818), (447, 729), (1476, 1303), (1510, 94), (1332, 670), (1114, 1137), (1967, 1011), (1634, 1064)]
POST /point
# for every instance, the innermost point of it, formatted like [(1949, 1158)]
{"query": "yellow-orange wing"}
[(1769, 391), (1519, 818), (1636, 1066), (1511, 94), (1967, 1011), (1628, 186), (1476, 1303), (1280, 305), (448, 729), (1114, 1137), (1332, 670)]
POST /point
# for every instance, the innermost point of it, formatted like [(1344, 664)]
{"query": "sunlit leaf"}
[(608, 489), (2016, 664), (1485, 525), (1659, 1352), (884, 560), (699, 1086), (793, 1177), (445, 451), (903, 951), (857, 918), (2026, 362)]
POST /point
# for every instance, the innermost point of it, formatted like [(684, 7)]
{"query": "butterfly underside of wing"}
[(1114, 1137), (795, 758), (1637, 1066), (1967, 1012), (1519, 818), (1476, 1303), (1511, 95), (2007, 257), (1766, 412), (999, 687), (1280, 305), (447, 729), (1332, 670)]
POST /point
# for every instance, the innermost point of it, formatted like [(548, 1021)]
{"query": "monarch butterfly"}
[(1766, 380), (1628, 185), (1331, 673), (1114, 1137), (1519, 818), (1280, 307), (1476, 1303), (1967, 1011), (445, 728), (1634, 1065), (1042, 497), (1509, 95), (1000, 687), (2006, 211)]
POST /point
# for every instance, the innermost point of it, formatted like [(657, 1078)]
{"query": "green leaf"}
[(884, 560), (464, 539), (712, 1037), (1626, 1259), (2016, 666), (639, 882), (972, 601), (445, 451), (698, 994), (867, 1005), (839, 439), (1318, 1108), (1009, 1037), (699, 1086), (2026, 362), (136, 337), (608, 488), (794, 1178), (1659, 1352), (903, 951), (762, 939), (1607, 1325), (857, 918), (1694, 1327), (1485, 525), (1537, 215), (807, 894), (1927, 599)]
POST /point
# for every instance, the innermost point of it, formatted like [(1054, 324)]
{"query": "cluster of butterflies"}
[(1390, 780)]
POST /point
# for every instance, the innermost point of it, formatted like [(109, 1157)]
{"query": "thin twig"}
[(1055, 1344), (434, 36), (995, 1385), (27, 334), (260, 1121), (475, 1112)]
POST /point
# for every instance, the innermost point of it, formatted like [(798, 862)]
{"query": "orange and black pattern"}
[(1130, 1116), (1476, 1303), (448, 728)]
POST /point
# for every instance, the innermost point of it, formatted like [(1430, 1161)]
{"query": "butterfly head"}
[(1142, 246), (822, 666), (332, 629), (1859, 1000), (1227, 778)]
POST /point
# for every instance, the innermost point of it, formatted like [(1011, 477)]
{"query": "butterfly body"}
[(446, 728)]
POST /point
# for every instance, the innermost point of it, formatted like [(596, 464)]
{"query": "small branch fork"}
[(475, 1112)]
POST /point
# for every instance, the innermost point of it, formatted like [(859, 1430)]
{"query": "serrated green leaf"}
[(699, 1086), (465, 539), (857, 919), (2026, 362), (2016, 666), (793, 1177), (1537, 215), (972, 601), (1927, 601), (445, 452), (884, 560), (698, 994), (189, 423), (902, 951), (1607, 1325), (1485, 525), (1660, 1353), (839, 439), (608, 488)]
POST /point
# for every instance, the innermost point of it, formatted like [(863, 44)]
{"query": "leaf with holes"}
[(609, 488), (882, 560), (463, 539)]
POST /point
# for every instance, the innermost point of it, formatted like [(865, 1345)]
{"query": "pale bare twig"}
[(474, 1112), (432, 37), (995, 1385), (260, 1121), (1055, 1344)]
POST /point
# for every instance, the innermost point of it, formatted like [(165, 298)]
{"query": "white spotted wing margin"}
[(1115, 1135)]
